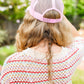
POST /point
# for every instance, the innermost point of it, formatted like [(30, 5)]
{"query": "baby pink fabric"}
[(39, 7)]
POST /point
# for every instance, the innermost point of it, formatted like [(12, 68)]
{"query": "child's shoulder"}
[(78, 39), (18, 56), (78, 42), (12, 57)]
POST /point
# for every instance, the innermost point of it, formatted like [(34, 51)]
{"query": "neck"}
[(43, 43), (42, 46)]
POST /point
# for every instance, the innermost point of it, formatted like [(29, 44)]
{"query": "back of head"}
[(32, 31)]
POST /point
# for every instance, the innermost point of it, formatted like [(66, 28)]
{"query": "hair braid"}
[(49, 58), (49, 61)]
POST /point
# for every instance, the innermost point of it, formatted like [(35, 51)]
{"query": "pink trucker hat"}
[(38, 8)]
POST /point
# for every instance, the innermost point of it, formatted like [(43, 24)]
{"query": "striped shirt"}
[(31, 67)]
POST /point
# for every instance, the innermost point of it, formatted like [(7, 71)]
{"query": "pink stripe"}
[(27, 61), (21, 71), (66, 58), (26, 72), (40, 72), (41, 62), (67, 67), (79, 40), (63, 77)]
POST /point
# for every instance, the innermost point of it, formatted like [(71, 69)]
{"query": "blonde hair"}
[(32, 31)]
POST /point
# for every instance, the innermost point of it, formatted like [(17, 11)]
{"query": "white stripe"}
[(53, 3)]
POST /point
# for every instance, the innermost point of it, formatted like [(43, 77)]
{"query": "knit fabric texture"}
[(31, 67)]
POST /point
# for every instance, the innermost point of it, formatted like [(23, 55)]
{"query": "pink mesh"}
[(38, 8)]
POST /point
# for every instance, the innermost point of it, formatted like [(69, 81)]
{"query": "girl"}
[(48, 47)]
